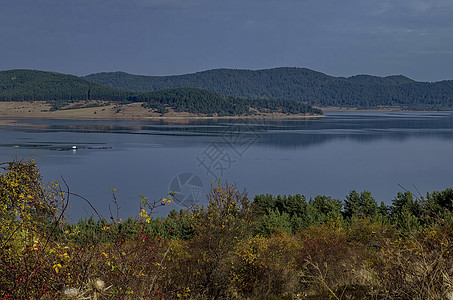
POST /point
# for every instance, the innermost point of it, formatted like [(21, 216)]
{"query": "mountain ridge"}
[(298, 84)]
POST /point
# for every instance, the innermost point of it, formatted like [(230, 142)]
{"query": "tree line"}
[(298, 84), (59, 89), (268, 247)]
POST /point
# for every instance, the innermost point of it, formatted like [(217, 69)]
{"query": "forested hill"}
[(30, 85), (298, 84)]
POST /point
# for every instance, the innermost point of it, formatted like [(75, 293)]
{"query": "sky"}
[(168, 37)]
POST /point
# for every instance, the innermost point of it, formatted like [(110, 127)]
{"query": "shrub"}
[(264, 266), (278, 248)]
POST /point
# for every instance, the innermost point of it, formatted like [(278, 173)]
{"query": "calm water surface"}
[(329, 156)]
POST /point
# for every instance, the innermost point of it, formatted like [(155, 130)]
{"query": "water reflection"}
[(360, 127), (330, 155)]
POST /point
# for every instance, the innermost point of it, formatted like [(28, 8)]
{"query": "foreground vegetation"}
[(283, 247)]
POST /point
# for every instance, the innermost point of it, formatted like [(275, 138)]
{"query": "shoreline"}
[(10, 110), (382, 109)]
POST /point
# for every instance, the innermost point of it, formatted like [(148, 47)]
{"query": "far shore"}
[(10, 111), (109, 111), (378, 109)]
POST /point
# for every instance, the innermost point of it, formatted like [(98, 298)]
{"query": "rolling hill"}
[(30, 85), (60, 89), (298, 84)]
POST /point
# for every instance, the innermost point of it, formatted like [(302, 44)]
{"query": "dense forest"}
[(59, 89), (269, 247), (230, 92), (201, 101), (299, 84), (31, 85)]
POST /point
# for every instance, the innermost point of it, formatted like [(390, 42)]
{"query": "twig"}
[(159, 267), (322, 279), (115, 201), (61, 215), (89, 203)]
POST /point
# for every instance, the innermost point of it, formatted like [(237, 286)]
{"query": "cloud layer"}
[(161, 37)]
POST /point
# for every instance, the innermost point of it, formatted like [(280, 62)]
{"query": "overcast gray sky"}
[(166, 37)]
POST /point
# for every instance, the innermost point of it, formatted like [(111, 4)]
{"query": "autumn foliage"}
[(282, 247)]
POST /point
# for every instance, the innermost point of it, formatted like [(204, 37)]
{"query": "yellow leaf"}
[(57, 268)]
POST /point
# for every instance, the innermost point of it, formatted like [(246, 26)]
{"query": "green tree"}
[(361, 205), (327, 207), (405, 211)]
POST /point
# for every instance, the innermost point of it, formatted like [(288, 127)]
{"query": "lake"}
[(344, 151)]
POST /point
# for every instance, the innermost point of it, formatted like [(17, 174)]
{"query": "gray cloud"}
[(157, 37)]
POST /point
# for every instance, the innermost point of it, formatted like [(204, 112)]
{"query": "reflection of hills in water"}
[(362, 128), (357, 126)]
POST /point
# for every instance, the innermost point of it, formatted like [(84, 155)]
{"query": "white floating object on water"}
[(74, 147)]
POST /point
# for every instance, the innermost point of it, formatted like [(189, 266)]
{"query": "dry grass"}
[(220, 257), (110, 111)]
